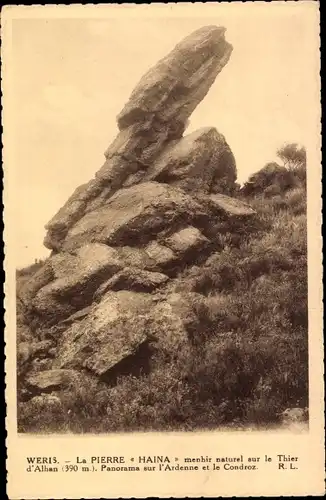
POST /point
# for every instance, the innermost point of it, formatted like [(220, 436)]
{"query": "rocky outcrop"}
[(106, 296), (175, 86), (229, 207), (164, 256), (186, 241), (51, 380), (134, 216), (156, 114), (76, 279), (109, 334), (199, 161), (133, 279)]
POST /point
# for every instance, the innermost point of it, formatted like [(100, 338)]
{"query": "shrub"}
[(296, 201), (273, 178)]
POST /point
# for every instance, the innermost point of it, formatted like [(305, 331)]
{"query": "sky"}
[(70, 77)]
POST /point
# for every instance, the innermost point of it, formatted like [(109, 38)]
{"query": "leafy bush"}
[(271, 180)]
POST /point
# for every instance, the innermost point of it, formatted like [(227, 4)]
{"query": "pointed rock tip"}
[(211, 28), (204, 35)]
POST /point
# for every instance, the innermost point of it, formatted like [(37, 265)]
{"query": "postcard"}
[(163, 250)]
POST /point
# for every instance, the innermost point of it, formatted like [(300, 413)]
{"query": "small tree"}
[(293, 156)]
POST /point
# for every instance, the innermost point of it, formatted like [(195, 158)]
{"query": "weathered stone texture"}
[(156, 113), (105, 295)]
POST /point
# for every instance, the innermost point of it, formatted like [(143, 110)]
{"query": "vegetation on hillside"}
[(249, 357)]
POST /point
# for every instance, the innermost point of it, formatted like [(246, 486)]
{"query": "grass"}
[(248, 361)]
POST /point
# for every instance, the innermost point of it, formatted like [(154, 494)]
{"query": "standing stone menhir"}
[(155, 114), (106, 295)]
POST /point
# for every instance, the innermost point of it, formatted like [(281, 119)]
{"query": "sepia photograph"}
[(158, 181), (172, 296)]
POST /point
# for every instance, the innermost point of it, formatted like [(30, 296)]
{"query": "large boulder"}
[(132, 279), (88, 260), (162, 255), (229, 207), (199, 161), (137, 257), (171, 90), (51, 380), (121, 333), (77, 278), (156, 114), (135, 215), (107, 336), (230, 216), (186, 241)]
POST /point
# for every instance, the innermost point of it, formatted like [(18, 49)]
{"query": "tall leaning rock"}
[(170, 91), (153, 119), (105, 297)]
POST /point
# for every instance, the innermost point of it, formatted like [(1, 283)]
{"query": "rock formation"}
[(106, 298)]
